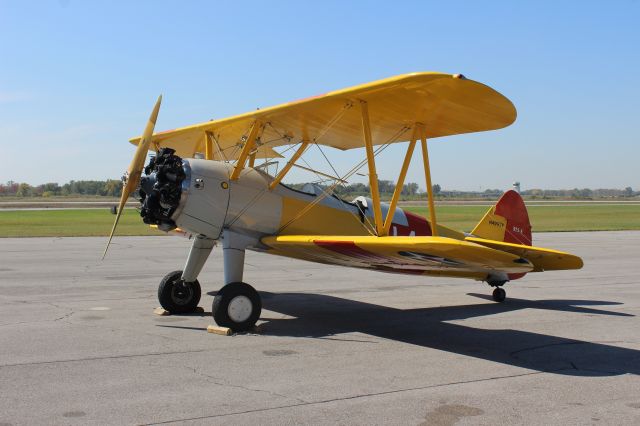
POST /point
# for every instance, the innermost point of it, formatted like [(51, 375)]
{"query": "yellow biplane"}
[(210, 180)]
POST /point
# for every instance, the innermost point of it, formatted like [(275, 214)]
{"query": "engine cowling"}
[(187, 193)]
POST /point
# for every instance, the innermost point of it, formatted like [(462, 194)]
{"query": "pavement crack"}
[(353, 397), (533, 348), (67, 315), (99, 358), (218, 381), (60, 318)]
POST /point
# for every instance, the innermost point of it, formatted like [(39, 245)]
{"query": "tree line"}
[(411, 190), (110, 187)]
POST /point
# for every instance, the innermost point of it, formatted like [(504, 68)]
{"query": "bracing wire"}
[(351, 172)]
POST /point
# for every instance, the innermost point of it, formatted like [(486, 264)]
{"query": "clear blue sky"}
[(77, 79)]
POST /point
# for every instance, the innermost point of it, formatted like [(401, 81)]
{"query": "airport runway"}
[(79, 343)]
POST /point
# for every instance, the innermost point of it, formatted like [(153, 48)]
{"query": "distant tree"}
[(436, 189), (51, 188), (535, 193), (586, 193), (386, 186), (113, 188), (575, 193), (10, 188), (24, 190), (628, 192), (410, 188)]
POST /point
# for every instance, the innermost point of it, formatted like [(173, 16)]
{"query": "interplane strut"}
[(371, 161), (427, 175)]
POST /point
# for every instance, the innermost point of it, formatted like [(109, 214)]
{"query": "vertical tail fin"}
[(507, 221)]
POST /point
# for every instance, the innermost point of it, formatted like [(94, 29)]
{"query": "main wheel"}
[(499, 294), (177, 296), (237, 306)]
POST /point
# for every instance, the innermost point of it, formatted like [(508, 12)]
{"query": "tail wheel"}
[(499, 295), (177, 296), (237, 306)]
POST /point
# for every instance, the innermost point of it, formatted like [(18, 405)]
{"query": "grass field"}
[(581, 217), (98, 222), (70, 223)]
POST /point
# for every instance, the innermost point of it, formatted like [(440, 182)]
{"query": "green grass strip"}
[(98, 222)]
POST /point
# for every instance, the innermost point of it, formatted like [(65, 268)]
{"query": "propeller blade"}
[(135, 168)]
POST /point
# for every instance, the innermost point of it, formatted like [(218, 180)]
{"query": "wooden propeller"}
[(132, 178)]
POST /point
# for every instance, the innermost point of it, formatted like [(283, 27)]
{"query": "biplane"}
[(211, 180)]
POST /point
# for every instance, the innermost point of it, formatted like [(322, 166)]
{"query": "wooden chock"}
[(226, 331), (216, 329), (163, 312)]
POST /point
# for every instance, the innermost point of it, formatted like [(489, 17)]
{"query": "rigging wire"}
[(351, 172)]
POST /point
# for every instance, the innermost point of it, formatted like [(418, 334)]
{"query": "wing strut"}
[(371, 161), (290, 163), (427, 175), (400, 183), (208, 146), (246, 149)]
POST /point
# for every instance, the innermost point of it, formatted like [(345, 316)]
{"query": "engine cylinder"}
[(160, 189)]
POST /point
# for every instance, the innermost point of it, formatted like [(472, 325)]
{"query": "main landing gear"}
[(176, 295), (237, 305)]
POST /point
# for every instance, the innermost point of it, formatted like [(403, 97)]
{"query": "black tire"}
[(242, 316), (178, 297), (499, 295)]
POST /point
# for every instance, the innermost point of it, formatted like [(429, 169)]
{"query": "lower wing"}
[(418, 254)]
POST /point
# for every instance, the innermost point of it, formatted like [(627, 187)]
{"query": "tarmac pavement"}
[(79, 343)]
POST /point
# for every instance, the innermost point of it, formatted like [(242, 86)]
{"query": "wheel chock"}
[(163, 312), (215, 329), (226, 331)]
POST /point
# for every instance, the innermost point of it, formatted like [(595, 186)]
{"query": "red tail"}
[(507, 221)]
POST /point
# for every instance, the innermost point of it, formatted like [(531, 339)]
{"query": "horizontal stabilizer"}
[(542, 259)]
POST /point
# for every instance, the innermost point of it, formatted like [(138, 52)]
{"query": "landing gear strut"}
[(176, 295), (237, 305)]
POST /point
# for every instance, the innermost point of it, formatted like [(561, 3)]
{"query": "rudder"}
[(506, 221)]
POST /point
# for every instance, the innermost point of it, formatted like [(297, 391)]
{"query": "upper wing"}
[(542, 259), (445, 104), (398, 254)]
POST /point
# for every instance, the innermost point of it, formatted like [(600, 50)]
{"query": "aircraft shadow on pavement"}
[(323, 316)]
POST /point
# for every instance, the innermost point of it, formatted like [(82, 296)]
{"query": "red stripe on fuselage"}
[(416, 224)]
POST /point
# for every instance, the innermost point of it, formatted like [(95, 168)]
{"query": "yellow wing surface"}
[(418, 254), (543, 259), (445, 104)]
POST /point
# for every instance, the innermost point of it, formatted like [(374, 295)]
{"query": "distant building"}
[(516, 187)]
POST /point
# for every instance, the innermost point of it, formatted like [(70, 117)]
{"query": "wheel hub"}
[(181, 293), (240, 309)]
